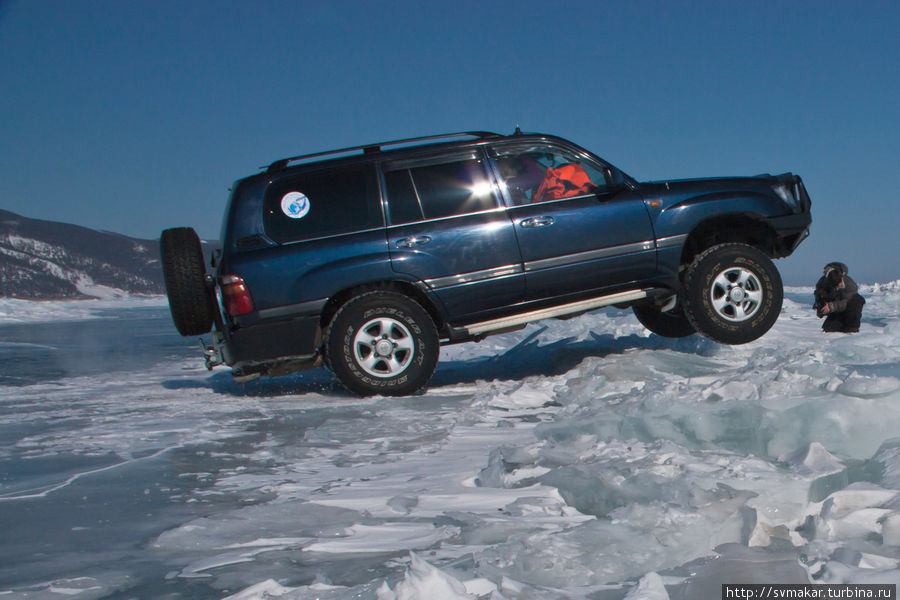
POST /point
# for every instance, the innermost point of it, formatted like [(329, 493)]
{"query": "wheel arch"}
[(732, 228), (405, 288)]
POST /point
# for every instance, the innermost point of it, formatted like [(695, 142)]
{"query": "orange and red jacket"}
[(564, 182)]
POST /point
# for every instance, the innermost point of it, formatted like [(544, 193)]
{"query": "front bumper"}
[(794, 228), (790, 230)]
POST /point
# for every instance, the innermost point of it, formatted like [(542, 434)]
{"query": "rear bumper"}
[(272, 340)]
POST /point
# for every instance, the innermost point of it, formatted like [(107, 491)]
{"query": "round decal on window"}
[(295, 205)]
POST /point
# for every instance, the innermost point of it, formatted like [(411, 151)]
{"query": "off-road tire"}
[(732, 293), (406, 333), (669, 324), (190, 301)]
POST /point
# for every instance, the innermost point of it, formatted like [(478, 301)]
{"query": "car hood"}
[(710, 184)]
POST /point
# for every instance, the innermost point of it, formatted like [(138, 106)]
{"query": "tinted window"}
[(539, 173), (402, 197), (322, 203), (439, 190)]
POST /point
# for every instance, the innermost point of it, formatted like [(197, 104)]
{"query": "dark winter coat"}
[(835, 296)]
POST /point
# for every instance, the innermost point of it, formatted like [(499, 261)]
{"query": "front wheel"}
[(733, 293), (382, 343)]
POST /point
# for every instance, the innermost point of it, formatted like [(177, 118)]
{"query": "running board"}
[(554, 311)]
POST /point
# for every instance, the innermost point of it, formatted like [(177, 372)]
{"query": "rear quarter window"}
[(322, 203)]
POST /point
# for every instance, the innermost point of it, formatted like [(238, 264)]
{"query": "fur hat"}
[(835, 266), (834, 272)]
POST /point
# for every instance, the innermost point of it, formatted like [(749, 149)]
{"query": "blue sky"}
[(137, 116)]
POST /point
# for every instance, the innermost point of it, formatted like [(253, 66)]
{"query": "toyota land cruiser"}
[(369, 258)]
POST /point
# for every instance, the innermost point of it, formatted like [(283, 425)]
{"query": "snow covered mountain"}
[(44, 259)]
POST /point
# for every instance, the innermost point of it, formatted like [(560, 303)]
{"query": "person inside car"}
[(523, 175), (564, 181)]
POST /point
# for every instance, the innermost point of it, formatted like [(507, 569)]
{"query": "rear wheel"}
[(382, 343), (671, 324), (733, 293), (190, 301)]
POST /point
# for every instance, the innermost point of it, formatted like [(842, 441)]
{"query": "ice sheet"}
[(573, 459)]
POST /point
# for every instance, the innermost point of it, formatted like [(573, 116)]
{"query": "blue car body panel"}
[(300, 272), (470, 263), (584, 244), (492, 263)]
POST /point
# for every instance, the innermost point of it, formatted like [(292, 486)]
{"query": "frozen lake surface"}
[(573, 459)]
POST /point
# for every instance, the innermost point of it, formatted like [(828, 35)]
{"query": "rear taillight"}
[(236, 296)]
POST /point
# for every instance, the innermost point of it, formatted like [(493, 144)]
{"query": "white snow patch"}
[(264, 590), (423, 581), (650, 587), (384, 538), (13, 310)]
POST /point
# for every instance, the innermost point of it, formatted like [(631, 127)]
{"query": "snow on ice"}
[(13, 310), (573, 459)]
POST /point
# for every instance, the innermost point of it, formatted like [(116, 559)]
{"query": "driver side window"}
[(540, 174)]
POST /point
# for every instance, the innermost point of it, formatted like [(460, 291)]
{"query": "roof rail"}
[(373, 148)]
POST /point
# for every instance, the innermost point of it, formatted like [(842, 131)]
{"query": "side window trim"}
[(499, 181), (431, 161), (449, 217), (412, 182)]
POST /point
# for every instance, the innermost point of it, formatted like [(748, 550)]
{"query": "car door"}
[(330, 233), (450, 231), (578, 233)]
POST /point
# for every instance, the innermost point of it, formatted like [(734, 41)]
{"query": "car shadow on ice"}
[(315, 381), (532, 357)]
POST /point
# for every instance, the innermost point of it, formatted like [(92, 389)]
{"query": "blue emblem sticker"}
[(295, 205)]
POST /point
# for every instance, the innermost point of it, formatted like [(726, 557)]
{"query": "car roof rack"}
[(373, 148)]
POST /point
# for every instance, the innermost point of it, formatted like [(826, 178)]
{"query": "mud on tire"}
[(190, 301), (733, 293), (382, 343)]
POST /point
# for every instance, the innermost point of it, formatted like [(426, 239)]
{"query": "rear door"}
[(449, 230), (329, 229), (578, 234)]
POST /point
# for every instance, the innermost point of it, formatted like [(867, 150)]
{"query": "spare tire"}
[(190, 301)]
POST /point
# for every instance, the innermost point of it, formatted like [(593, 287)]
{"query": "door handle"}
[(412, 241), (537, 222)]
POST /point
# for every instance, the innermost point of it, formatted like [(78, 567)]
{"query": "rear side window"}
[(322, 203), (452, 187)]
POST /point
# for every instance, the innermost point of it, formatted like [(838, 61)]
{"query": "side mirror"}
[(616, 183), (611, 190), (608, 174)]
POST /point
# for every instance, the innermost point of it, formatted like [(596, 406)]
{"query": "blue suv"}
[(370, 258)]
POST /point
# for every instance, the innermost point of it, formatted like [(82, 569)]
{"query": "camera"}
[(825, 292)]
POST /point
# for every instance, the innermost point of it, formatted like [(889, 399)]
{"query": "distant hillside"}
[(44, 259)]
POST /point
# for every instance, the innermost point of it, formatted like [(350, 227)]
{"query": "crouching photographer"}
[(837, 299)]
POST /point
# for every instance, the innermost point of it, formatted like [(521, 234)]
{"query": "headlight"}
[(787, 194)]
